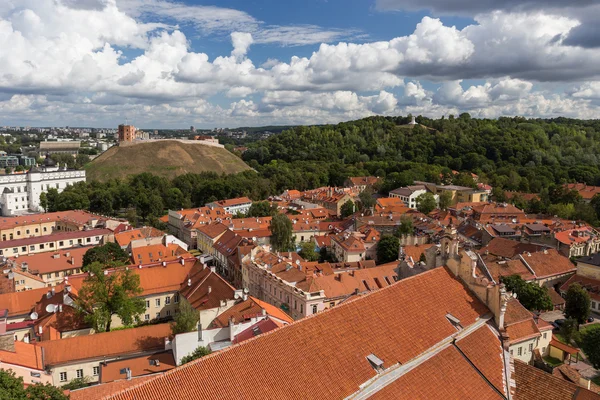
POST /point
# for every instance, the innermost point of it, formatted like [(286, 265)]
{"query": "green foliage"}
[(590, 344), (445, 200), (423, 258), (107, 254), (347, 209), (568, 329), (104, 295), (186, 320), (532, 296), (200, 352), (577, 304), (76, 383), (44, 201), (406, 227), (11, 388), (426, 203), (261, 209), (387, 249), (366, 199), (307, 251), (281, 233)]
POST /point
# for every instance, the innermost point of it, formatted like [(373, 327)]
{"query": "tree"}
[(590, 344), (568, 329), (101, 201), (423, 258), (76, 383), (12, 388), (577, 304), (200, 352), (406, 227), (281, 233), (44, 201), (426, 203), (186, 320), (532, 296), (308, 251), (107, 254), (445, 200), (104, 295), (366, 199), (387, 249), (347, 209), (261, 209)]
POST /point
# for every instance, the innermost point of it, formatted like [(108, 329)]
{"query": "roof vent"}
[(454, 321), (189, 282), (155, 363), (375, 362)]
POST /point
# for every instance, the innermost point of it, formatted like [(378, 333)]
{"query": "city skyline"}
[(172, 64)]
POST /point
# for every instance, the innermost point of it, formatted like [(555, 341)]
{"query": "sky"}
[(230, 63)]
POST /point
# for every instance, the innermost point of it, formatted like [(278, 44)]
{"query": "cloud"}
[(241, 42), (470, 7)]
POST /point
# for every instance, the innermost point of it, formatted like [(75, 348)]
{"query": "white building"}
[(239, 205), (409, 194), (20, 193)]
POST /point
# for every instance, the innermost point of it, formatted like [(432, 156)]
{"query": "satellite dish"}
[(51, 308), (33, 316)]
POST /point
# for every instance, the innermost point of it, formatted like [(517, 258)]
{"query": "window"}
[(51, 245), (61, 243), (314, 309), (22, 281), (56, 275), (176, 298), (332, 304), (49, 276), (15, 250), (32, 247), (45, 229), (147, 303), (27, 232), (88, 240), (520, 351), (70, 242), (167, 300), (147, 317), (530, 346), (168, 313), (157, 315), (24, 249), (80, 373), (63, 376), (543, 350), (301, 308), (545, 335), (594, 305), (96, 371), (157, 302), (36, 374), (36, 230), (79, 241), (18, 232), (41, 247)]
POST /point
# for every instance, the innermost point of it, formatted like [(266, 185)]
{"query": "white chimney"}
[(209, 289), (189, 282)]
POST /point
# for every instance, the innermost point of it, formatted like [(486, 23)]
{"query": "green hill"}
[(168, 158)]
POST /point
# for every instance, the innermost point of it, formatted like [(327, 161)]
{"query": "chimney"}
[(209, 289), (213, 270), (52, 290), (72, 260), (128, 372), (189, 282)]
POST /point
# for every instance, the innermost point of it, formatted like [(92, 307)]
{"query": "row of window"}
[(42, 246), (27, 232), (167, 300), (68, 272), (167, 314), (78, 374)]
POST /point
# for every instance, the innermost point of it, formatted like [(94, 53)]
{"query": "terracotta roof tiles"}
[(138, 366)]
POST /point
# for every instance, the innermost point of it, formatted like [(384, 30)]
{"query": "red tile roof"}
[(534, 384), (25, 354), (549, 263), (247, 309), (126, 237), (232, 202), (591, 285), (20, 303), (213, 230), (262, 326), (55, 237), (109, 344), (564, 347), (586, 192), (337, 340), (509, 248), (196, 289), (100, 391), (49, 262), (576, 235), (138, 366), (157, 253), (77, 217)]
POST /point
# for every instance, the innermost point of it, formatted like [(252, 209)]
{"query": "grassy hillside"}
[(167, 158)]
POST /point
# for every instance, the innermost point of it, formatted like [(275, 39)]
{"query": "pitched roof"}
[(519, 322), (247, 309), (499, 268), (213, 230), (78, 217), (363, 180), (576, 235), (19, 303), (157, 253), (586, 191), (350, 244), (338, 339), (509, 248), (591, 285), (154, 278), (25, 354), (106, 389), (232, 202), (548, 263), (262, 326), (126, 237), (138, 366), (55, 237), (115, 343), (534, 384), (196, 289), (415, 251), (48, 262)]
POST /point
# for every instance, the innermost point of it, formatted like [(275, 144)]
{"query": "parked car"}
[(590, 319), (560, 322), (555, 326)]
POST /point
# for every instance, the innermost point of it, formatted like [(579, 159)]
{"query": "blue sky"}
[(176, 63)]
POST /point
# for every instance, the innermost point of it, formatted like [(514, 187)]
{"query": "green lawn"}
[(553, 362)]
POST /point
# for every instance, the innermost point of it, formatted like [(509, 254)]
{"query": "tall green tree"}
[(426, 203), (44, 201), (107, 254), (532, 296), (307, 251), (186, 320), (281, 233), (366, 199), (568, 329), (590, 344), (347, 209), (406, 227), (445, 200), (261, 209), (577, 303), (103, 296), (387, 249), (13, 388)]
